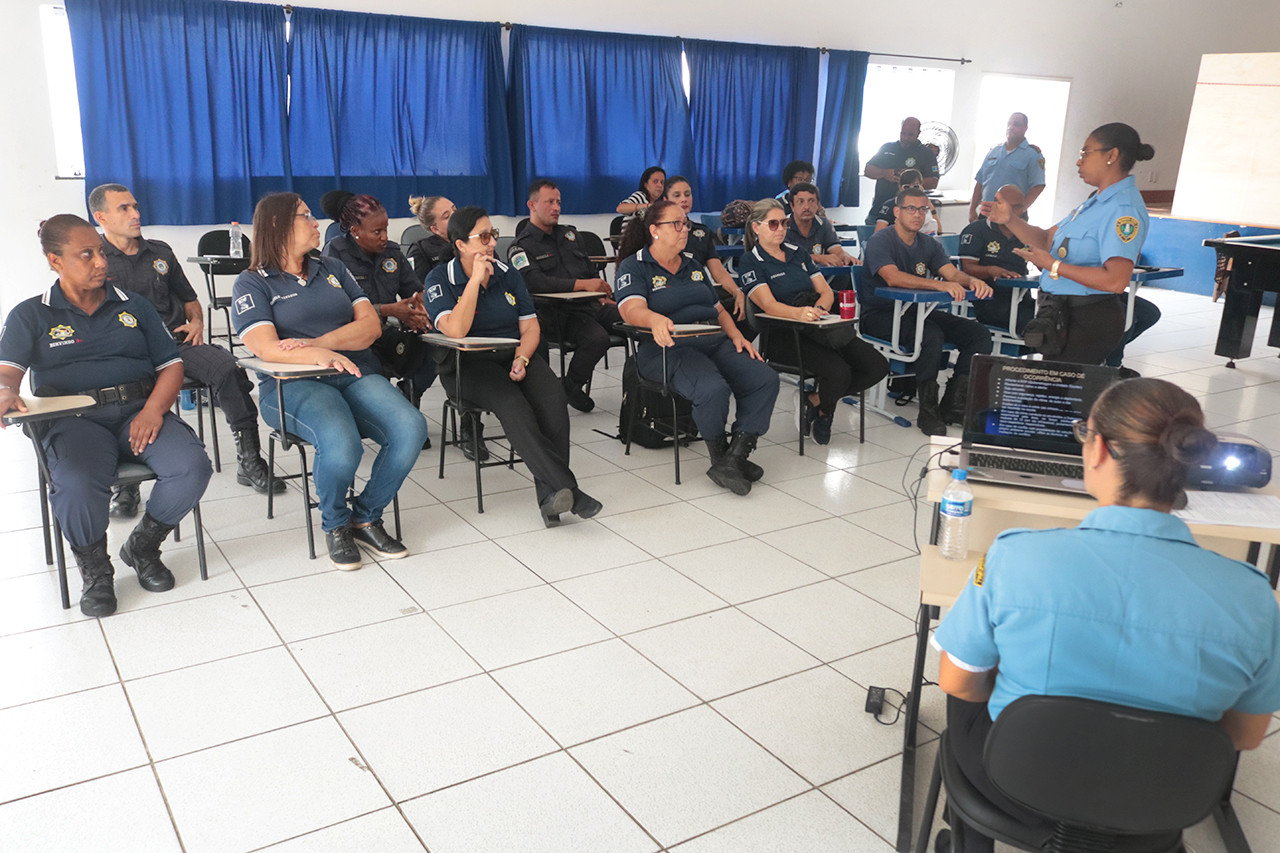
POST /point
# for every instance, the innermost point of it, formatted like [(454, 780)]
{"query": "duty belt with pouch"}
[(1047, 332), (126, 393)]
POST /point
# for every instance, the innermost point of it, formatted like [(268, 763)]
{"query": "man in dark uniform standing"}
[(553, 260), (150, 269), (893, 158)]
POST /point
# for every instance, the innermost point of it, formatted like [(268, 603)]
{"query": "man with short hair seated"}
[(987, 252), (812, 232), (552, 259), (903, 257)]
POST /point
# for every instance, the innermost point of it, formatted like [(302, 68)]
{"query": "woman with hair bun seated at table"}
[(479, 296), (382, 272), (433, 212), (1123, 608), (81, 337), (782, 281), (660, 286), (291, 306)]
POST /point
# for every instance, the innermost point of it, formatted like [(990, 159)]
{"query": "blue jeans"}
[(333, 413)]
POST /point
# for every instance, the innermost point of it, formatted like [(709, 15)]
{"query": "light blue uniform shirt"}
[(1125, 608), (1109, 224), (1023, 167)]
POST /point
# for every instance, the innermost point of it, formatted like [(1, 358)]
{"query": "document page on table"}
[(1231, 508)]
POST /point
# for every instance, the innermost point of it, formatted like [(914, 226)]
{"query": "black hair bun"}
[(1145, 152), (1187, 442), (333, 201)]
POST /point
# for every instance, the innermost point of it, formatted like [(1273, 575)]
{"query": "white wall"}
[(1128, 60)]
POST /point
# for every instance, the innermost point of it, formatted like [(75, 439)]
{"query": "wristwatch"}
[(1053, 270)]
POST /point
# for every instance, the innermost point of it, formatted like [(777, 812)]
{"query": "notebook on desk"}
[(1017, 422)]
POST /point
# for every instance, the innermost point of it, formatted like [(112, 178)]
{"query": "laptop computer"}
[(1017, 421)]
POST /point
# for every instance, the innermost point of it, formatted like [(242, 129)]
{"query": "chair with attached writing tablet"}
[(283, 373), (41, 412), (213, 257), (679, 429)]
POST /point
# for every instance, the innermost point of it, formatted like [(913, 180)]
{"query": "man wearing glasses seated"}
[(552, 259), (903, 257)]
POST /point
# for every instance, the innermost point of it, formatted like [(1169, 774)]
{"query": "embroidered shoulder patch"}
[(980, 571), (520, 260), (1127, 228)]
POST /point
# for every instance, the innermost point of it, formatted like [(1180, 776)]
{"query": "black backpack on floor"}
[(653, 427)]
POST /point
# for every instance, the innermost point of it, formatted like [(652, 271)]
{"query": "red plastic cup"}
[(848, 305)]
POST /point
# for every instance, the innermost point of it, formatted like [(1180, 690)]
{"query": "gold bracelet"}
[(1053, 270), (523, 358)]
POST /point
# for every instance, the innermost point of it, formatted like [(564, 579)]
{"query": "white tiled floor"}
[(685, 671)]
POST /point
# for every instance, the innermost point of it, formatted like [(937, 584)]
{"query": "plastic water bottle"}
[(236, 248), (957, 506), (188, 401)]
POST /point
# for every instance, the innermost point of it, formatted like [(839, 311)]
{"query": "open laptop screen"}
[(1029, 405)]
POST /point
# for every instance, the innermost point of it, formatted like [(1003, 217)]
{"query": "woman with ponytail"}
[(1125, 608)]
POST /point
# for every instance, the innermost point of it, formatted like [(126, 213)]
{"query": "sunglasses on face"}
[(486, 237), (775, 224)]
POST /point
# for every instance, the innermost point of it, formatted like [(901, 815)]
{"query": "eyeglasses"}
[(490, 236), (911, 208), (307, 216), (775, 224), (678, 224), (1082, 431), (1085, 152)]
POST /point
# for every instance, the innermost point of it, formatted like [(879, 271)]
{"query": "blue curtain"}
[(184, 103), (393, 106), (838, 165), (753, 110), (593, 110)]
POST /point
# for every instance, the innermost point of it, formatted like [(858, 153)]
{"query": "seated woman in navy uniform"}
[(1124, 608), (477, 295), (80, 337), (291, 306), (703, 248), (782, 281), (661, 285), (382, 272), (433, 212)]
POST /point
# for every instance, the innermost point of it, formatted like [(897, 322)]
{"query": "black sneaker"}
[(822, 428), (124, 501), (577, 395), (378, 542), (343, 552)]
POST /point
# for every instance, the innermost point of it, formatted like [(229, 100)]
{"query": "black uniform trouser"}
[(1094, 330), (968, 336), (967, 726), (841, 371), (588, 330), (83, 453), (706, 371), (215, 367), (534, 414)]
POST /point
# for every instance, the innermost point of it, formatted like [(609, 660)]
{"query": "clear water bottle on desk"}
[(957, 506), (236, 247)]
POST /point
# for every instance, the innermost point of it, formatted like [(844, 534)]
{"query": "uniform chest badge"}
[(389, 265), (160, 265), (699, 233), (61, 333), (333, 281), (570, 236), (128, 320), (696, 275), (520, 260), (921, 269), (993, 248), (511, 299), (1127, 228), (659, 282), (1062, 250), (909, 162)]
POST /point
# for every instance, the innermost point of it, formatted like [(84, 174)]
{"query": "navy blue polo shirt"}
[(385, 277), (300, 308), (822, 236), (701, 246), (925, 258), (68, 351), (985, 243), (786, 279), (500, 305), (152, 272), (686, 296), (894, 155)]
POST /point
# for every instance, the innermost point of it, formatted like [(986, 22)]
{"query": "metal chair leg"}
[(930, 806), (271, 474), (62, 563), (306, 503), (195, 517)]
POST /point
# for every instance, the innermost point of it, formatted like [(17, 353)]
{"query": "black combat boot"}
[(124, 501), (142, 553), (471, 424), (725, 470), (955, 399), (251, 470), (98, 597), (739, 449), (930, 420)]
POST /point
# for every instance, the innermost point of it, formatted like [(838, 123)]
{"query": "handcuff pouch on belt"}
[(1046, 333)]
